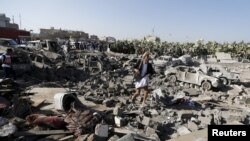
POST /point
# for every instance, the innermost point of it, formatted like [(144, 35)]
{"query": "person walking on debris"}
[(7, 64), (142, 70)]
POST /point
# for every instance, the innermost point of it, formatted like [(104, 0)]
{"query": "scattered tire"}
[(172, 78), (224, 80), (206, 85)]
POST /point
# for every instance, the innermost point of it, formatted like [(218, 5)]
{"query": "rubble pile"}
[(85, 96)]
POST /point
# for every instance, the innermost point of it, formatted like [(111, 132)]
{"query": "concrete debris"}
[(75, 92), (6, 128), (146, 121), (119, 121), (128, 137), (183, 130), (192, 126), (102, 130)]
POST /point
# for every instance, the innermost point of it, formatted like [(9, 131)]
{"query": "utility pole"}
[(13, 19), (20, 21)]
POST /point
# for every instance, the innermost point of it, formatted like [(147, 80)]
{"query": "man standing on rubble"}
[(142, 71), (7, 64)]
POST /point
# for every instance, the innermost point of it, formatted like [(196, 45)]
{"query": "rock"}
[(183, 130), (117, 111), (82, 137), (230, 116), (7, 129), (150, 132), (108, 102), (114, 138), (101, 130), (247, 120), (123, 100), (174, 135), (146, 121), (192, 92), (185, 114), (192, 126), (247, 101), (128, 137), (91, 138), (153, 112), (236, 90), (119, 121), (205, 120), (157, 94)]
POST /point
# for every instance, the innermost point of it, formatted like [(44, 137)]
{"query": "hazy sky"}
[(172, 20)]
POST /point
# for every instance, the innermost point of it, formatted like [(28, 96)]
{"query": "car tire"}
[(206, 85), (224, 80), (172, 78)]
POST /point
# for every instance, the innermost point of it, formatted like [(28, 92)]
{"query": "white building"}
[(107, 39), (151, 38)]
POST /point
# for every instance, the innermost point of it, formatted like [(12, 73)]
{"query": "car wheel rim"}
[(206, 86), (172, 78)]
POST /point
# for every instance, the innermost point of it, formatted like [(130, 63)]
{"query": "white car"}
[(193, 76)]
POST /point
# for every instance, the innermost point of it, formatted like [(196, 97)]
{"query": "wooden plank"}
[(67, 138), (123, 131), (47, 132), (38, 102)]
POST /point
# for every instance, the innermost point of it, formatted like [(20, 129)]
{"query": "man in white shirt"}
[(7, 64)]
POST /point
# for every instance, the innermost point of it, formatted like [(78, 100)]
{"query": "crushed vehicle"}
[(88, 61), (192, 75), (5, 42), (48, 45), (220, 72), (40, 61), (163, 60)]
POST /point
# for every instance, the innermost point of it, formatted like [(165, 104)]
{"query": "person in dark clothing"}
[(142, 70), (7, 64)]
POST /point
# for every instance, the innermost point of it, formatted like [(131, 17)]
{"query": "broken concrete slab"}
[(150, 132), (119, 121), (128, 137), (192, 126), (114, 138), (205, 120), (108, 102), (117, 111), (192, 136), (45, 93), (146, 121), (6, 127), (101, 130), (183, 131)]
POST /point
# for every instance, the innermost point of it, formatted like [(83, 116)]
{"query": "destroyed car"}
[(163, 60), (220, 72), (48, 45), (87, 61), (40, 61), (192, 75), (5, 42)]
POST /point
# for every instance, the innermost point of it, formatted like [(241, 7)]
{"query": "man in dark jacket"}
[(141, 72)]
